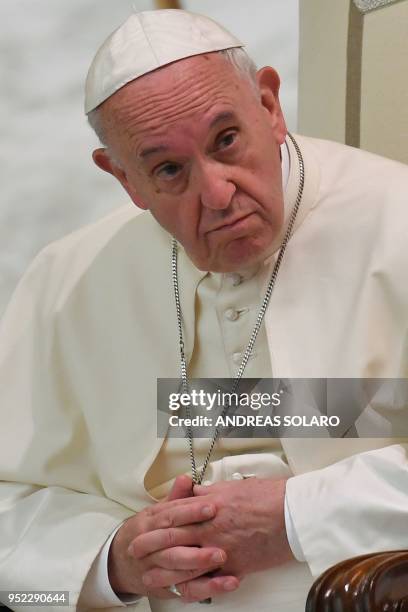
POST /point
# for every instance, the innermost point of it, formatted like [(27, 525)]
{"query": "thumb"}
[(182, 487)]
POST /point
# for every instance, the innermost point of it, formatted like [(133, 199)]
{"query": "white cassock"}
[(92, 326)]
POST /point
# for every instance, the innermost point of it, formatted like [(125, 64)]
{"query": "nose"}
[(216, 188)]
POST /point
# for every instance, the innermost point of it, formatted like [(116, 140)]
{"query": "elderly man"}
[(284, 257)]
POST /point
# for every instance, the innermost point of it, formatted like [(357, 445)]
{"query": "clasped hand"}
[(203, 543)]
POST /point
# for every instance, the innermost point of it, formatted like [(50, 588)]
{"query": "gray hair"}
[(237, 56)]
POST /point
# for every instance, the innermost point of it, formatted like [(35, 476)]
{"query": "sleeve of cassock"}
[(355, 506), (54, 516)]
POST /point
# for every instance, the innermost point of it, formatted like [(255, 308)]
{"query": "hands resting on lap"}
[(204, 539)]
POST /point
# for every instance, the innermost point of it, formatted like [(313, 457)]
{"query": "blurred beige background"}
[(353, 73), (49, 184)]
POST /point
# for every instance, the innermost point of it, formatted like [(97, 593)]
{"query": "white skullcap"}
[(146, 41)]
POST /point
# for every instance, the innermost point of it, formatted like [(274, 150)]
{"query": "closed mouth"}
[(230, 224)]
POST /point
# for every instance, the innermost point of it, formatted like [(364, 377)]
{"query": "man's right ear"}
[(104, 162)]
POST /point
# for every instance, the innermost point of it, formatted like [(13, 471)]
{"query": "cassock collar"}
[(291, 182), (285, 162)]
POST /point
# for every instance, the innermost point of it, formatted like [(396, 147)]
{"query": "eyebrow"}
[(152, 150), (223, 116)]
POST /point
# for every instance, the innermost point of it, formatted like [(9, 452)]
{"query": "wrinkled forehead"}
[(165, 98)]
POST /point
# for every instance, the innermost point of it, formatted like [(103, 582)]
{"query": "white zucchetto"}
[(146, 41)]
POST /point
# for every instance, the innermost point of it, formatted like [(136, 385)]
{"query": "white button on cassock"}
[(231, 314), (236, 278)]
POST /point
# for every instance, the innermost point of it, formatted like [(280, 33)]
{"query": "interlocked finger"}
[(178, 515), (157, 508), (203, 588), (157, 577), (187, 558), (153, 541)]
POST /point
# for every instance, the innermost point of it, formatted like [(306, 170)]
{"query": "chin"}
[(233, 256), (223, 265), (244, 253)]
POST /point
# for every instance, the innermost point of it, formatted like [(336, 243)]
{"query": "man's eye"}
[(227, 140), (168, 171)]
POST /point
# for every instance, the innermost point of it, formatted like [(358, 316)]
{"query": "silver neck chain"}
[(198, 476)]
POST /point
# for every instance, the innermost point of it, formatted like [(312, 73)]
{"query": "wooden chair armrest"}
[(370, 583)]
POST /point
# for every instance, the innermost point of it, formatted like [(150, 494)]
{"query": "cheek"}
[(263, 161), (165, 217), (178, 217), (262, 183)]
